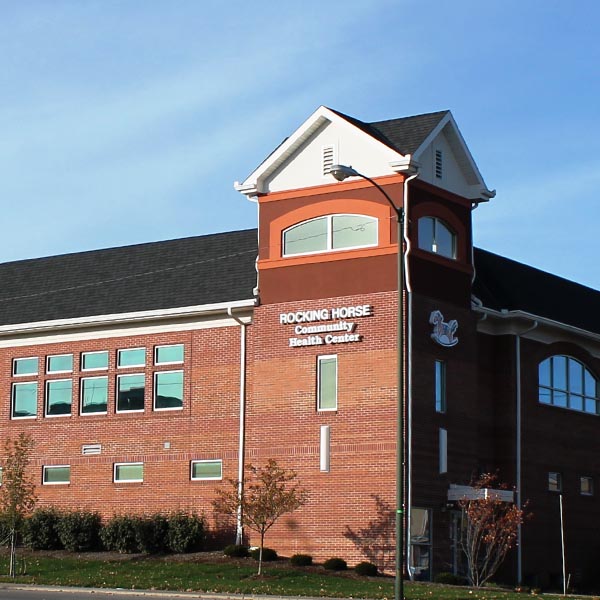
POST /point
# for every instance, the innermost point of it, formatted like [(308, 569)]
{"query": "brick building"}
[(147, 374)]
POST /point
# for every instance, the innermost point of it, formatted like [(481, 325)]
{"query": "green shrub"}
[(450, 579), (368, 569), (151, 534), (40, 530), (301, 560), (186, 532), (269, 554), (335, 564), (236, 551), (118, 535), (79, 531)]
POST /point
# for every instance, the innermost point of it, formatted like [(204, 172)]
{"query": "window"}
[(59, 363), (91, 361), (554, 482), (565, 382), (168, 355), (206, 469), (327, 383), (133, 357), (420, 544), (586, 486), (443, 443), (130, 392), (168, 390), (94, 395), (24, 400), (0, 475), (435, 236), (58, 475), (129, 472), (440, 386), (25, 366), (59, 393), (333, 232)]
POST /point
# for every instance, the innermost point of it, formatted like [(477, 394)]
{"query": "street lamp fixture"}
[(342, 172)]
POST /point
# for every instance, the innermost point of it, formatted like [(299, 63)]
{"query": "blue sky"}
[(128, 121)]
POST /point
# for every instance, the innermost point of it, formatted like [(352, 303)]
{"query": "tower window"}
[(435, 236)]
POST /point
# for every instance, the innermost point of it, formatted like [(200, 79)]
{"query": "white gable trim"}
[(255, 183)]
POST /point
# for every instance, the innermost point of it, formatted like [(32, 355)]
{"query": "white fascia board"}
[(201, 310), (255, 183), (519, 314), (486, 194)]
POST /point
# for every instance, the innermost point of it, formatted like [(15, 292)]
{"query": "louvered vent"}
[(327, 159), (88, 449), (438, 164)]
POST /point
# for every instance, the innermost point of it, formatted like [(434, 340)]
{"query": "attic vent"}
[(88, 449), (438, 164), (327, 159)]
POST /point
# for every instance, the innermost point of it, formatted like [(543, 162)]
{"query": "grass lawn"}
[(212, 572)]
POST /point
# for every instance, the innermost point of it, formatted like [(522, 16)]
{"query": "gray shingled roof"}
[(176, 273), (501, 283), (404, 135)]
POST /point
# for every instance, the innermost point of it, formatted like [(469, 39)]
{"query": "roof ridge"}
[(427, 114)]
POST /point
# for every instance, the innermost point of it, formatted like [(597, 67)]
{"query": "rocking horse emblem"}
[(443, 333)]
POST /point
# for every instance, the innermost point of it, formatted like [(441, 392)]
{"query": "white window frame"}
[(195, 462), (84, 370), (172, 362), (117, 388), (45, 469), (46, 387), (155, 378), (127, 464), (12, 399), (15, 374), (136, 366), (319, 360), (329, 247), (90, 414), (48, 372)]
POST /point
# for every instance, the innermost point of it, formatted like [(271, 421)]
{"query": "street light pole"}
[(341, 172)]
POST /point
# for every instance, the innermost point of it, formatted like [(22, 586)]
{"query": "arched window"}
[(435, 236), (332, 232), (567, 383)]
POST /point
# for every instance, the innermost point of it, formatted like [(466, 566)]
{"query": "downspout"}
[(239, 534), (408, 495), (518, 426)]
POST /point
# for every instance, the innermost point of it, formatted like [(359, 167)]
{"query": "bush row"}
[(81, 531)]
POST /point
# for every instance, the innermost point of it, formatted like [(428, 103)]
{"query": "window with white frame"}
[(130, 392), (440, 386), (24, 400), (586, 486), (327, 382), (168, 355), (131, 357), (554, 482), (206, 469), (168, 390), (25, 366), (94, 361), (94, 395), (1, 470), (59, 363), (59, 396), (566, 382), (56, 475), (128, 472), (331, 232), (435, 236)]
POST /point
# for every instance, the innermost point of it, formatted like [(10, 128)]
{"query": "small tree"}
[(490, 528), (267, 493), (17, 493)]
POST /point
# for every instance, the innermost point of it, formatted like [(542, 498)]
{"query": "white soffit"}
[(361, 151), (448, 127)]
